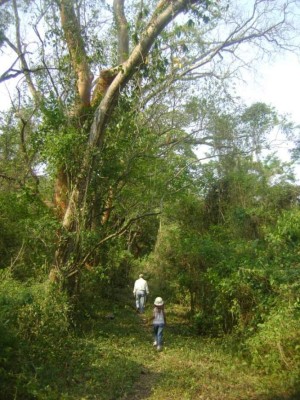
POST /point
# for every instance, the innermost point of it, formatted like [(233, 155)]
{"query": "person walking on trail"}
[(159, 322), (140, 291)]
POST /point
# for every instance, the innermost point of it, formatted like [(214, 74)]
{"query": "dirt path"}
[(143, 387), (193, 368)]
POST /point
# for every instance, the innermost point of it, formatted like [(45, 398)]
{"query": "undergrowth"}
[(108, 355)]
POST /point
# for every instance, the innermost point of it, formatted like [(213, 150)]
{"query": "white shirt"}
[(140, 284), (158, 317)]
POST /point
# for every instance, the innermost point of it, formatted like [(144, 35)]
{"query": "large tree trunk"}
[(74, 220), (92, 113)]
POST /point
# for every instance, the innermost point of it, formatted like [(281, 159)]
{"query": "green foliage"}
[(9, 228), (274, 342), (62, 144), (42, 358), (222, 238), (224, 252), (34, 324), (27, 232), (107, 356), (276, 345), (110, 274)]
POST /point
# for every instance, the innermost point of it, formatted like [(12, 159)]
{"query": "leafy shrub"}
[(33, 325), (27, 233), (276, 345)]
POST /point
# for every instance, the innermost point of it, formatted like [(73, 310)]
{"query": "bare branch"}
[(122, 27), (26, 156), (44, 61), (13, 73), (2, 2), (247, 32), (19, 255), (158, 22), (36, 95), (10, 178)]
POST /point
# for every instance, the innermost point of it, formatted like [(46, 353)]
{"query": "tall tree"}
[(151, 47)]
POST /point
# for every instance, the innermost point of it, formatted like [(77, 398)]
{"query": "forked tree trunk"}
[(68, 255)]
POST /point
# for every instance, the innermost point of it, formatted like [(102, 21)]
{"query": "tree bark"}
[(165, 12), (79, 60), (71, 191), (122, 28), (76, 46)]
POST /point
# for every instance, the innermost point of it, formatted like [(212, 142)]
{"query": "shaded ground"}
[(193, 368), (111, 357)]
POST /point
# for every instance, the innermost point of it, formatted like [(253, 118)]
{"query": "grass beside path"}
[(192, 368), (114, 360)]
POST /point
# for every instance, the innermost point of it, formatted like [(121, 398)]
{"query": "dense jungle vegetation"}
[(124, 149)]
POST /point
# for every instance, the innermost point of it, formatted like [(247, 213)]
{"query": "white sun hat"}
[(158, 301)]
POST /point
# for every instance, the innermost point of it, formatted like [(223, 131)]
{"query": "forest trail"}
[(148, 375), (193, 368), (112, 358)]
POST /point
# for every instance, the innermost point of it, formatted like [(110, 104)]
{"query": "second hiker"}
[(140, 291)]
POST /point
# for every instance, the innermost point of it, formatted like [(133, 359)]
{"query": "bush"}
[(276, 345), (33, 325)]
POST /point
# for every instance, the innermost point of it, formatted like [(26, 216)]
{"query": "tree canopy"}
[(123, 148)]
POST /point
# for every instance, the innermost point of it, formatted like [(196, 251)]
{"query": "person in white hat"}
[(159, 322), (140, 291)]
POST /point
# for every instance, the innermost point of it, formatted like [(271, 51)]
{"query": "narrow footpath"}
[(193, 368)]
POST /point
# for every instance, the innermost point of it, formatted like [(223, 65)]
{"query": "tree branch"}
[(246, 32), (36, 95), (120, 232), (158, 22), (164, 13), (2, 2), (10, 178), (122, 27), (26, 156), (77, 52)]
